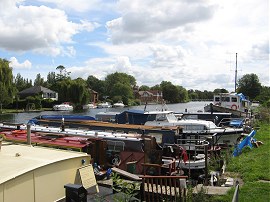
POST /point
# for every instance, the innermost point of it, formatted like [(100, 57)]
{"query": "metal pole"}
[(28, 134), (235, 80)]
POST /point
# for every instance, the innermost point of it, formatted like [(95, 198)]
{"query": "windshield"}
[(171, 117)]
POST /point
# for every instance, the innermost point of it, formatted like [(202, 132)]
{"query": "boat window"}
[(151, 117), (225, 99), (217, 99), (161, 117), (234, 99)]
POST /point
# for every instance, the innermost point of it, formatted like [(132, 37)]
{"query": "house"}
[(37, 90), (150, 96), (93, 96)]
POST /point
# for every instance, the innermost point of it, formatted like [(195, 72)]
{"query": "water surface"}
[(178, 108)]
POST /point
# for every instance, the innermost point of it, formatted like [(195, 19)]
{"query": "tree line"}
[(115, 87)]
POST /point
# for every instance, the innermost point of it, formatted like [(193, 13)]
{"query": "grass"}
[(253, 165)]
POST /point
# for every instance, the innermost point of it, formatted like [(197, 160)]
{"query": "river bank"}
[(253, 167)]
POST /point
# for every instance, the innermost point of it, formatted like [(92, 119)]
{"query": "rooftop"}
[(19, 159)]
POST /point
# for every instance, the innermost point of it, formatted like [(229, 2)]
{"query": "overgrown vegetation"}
[(253, 166), (128, 190)]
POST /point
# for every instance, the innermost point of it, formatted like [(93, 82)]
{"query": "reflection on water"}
[(180, 107)]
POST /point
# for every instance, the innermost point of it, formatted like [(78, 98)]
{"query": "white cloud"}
[(14, 63), (142, 20), (168, 56), (78, 5), (39, 29), (190, 43)]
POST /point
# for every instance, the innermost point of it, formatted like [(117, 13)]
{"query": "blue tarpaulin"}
[(246, 142)]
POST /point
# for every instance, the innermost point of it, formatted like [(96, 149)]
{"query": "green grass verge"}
[(252, 165)]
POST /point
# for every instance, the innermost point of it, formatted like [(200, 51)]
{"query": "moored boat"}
[(66, 106), (235, 103), (64, 117), (89, 106), (189, 127), (119, 104), (104, 105)]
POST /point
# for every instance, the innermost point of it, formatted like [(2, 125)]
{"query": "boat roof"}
[(241, 95), (136, 111), (20, 159)]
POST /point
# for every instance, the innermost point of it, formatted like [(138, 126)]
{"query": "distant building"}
[(93, 96), (37, 90), (149, 96)]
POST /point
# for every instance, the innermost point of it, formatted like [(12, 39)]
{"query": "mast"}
[(235, 79)]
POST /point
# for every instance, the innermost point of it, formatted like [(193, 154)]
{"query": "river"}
[(178, 108)]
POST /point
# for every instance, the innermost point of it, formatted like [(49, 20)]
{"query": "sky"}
[(191, 43)]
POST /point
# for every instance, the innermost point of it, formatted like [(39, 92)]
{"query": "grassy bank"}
[(253, 166), (7, 111)]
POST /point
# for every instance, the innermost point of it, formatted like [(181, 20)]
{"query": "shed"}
[(35, 90)]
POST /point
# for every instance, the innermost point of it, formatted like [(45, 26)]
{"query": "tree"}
[(6, 84), (51, 79), (170, 92), (115, 79), (249, 85), (39, 81), (156, 87), (121, 91), (78, 91), (183, 94), (264, 95), (144, 88), (63, 74), (21, 83), (220, 90)]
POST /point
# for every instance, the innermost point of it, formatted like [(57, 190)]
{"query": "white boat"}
[(66, 106), (119, 104), (189, 164), (190, 127), (89, 106), (235, 103), (104, 105)]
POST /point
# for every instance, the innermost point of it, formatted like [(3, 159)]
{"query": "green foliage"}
[(201, 195), (128, 189), (39, 81), (6, 85), (144, 88), (96, 85), (249, 85), (74, 91), (253, 166), (63, 74), (220, 90), (156, 87), (252, 162), (264, 96), (172, 93), (22, 83), (201, 95), (120, 84)]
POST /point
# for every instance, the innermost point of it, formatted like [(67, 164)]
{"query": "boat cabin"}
[(232, 101)]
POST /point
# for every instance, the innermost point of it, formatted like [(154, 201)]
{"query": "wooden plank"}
[(126, 174)]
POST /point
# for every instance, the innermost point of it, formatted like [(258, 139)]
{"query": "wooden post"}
[(28, 134), (206, 164)]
